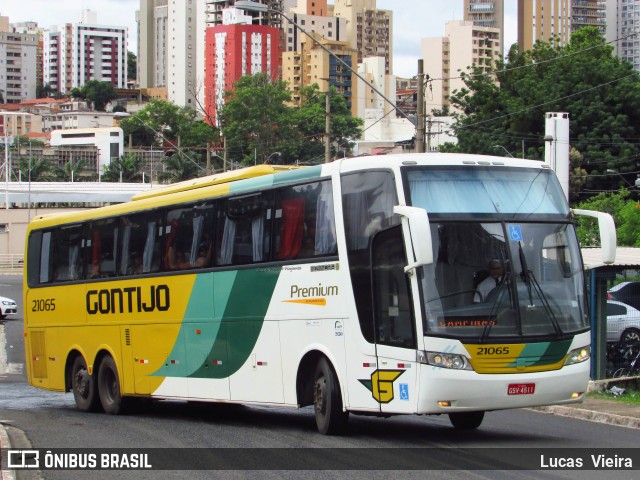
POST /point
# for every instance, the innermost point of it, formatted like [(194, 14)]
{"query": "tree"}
[(311, 115), (38, 170), (255, 119), (258, 119), (132, 67), (99, 93), (169, 126), (584, 78), (625, 213), (127, 168), (71, 172), (179, 167), (44, 91)]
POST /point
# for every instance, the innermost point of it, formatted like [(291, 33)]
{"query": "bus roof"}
[(219, 178)]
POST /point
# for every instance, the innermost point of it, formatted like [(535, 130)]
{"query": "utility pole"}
[(429, 123), (420, 108), (224, 154), (327, 127)]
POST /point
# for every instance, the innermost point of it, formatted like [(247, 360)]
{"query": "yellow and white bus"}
[(351, 286)]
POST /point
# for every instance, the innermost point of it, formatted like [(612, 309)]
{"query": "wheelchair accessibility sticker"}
[(515, 233), (404, 391)]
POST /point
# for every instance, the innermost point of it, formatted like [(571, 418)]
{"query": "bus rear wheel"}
[(109, 387), (466, 420), (83, 386), (327, 400)]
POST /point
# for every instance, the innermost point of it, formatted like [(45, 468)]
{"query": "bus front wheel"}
[(83, 386), (109, 387), (327, 400), (466, 420)]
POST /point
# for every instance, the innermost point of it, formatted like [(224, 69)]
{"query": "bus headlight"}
[(578, 355), (445, 360)]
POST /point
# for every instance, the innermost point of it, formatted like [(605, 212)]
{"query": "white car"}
[(623, 322), (7, 307)]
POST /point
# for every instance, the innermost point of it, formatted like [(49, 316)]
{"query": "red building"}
[(234, 50)]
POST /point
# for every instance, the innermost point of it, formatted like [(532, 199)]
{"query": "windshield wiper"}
[(505, 286), (532, 283)]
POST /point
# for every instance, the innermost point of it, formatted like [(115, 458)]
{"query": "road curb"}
[(5, 473), (591, 415)]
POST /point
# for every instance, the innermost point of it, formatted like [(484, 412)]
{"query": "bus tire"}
[(327, 400), (109, 387), (466, 420), (83, 386)]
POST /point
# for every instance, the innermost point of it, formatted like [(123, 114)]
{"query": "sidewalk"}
[(600, 410)]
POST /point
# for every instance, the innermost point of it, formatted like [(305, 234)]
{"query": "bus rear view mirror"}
[(420, 232), (607, 233)]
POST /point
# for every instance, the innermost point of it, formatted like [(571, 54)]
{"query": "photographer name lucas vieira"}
[(597, 461)]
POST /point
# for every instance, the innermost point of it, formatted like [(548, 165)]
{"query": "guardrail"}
[(11, 263)]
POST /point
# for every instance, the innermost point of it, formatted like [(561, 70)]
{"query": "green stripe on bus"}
[(543, 353), (257, 183)]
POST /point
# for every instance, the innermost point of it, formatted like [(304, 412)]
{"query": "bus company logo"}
[(381, 384), (128, 300)]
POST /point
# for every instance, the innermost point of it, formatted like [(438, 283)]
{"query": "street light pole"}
[(615, 172), (508, 152), (261, 8)]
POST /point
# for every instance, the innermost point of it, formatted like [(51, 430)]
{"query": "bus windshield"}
[(517, 274), (479, 190)]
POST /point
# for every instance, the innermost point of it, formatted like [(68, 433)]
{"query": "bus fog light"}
[(576, 394), (578, 355), (447, 360), (444, 403)]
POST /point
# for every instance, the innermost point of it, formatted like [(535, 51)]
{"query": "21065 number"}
[(43, 305), (492, 351)]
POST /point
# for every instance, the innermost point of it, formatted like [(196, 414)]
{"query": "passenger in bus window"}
[(204, 255)]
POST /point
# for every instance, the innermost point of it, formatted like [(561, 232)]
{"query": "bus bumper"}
[(445, 390)]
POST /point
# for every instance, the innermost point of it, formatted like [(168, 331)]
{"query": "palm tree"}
[(71, 171), (38, 170), (179, 167), (127, 168)]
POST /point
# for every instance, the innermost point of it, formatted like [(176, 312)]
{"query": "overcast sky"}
[(412, 20)]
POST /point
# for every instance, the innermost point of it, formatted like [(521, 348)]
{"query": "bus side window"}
[(305, 223), (188, 237), (290, 213), (243, 229), (140, 251), (66, 253), (102, 248)]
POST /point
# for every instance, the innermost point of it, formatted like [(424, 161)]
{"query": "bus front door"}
[(394, 383)]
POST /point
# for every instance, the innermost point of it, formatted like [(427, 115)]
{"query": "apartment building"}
[(329, 27), (77, 53), (543, 20), (171, 39), (18, 64), (623, 25), (486, 13), (153, 43), (312, 63), (18, 124), (235, 48), (369, 30), (463, 44)]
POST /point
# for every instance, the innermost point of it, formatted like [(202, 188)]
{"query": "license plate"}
[(521, 388)]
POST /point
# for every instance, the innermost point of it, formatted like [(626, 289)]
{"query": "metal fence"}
[(11, 263)]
